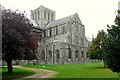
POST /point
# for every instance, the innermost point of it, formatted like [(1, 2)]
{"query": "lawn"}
[(92, 70), (17, 73)]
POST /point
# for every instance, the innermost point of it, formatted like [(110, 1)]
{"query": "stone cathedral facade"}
[(62, 41)]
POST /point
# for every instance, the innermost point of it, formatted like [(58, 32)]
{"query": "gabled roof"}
[(59, 21)]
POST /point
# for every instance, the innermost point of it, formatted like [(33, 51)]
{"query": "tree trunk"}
[(9, 66), (104, 64)]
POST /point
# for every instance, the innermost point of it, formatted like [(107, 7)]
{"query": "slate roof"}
[(59, 21)]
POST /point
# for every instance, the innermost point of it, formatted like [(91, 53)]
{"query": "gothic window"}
[(50, 54), (56, 30), (82, 54), (50, 31), (38, 14), (48, 15), (52, 16), (35, 15), (57, 54), (45, 15), (69, 53), (45, 33), (43, 55), (32, 16), (76, 54)]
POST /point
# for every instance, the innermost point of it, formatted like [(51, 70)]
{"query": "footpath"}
[(39, 74)]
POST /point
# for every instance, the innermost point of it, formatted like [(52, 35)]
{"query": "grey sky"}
[(94, 14)]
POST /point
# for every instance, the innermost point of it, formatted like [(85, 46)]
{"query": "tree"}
[(17, 36), (111, 46), (95, 50), (91, 50)]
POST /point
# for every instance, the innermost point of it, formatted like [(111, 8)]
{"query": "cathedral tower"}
[(42, 16)]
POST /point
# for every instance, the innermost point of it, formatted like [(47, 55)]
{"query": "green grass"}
[(93, 70), (17, 73)]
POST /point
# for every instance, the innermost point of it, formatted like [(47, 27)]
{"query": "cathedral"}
[(62, 41)]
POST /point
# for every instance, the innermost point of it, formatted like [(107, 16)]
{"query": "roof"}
[(59, 21)]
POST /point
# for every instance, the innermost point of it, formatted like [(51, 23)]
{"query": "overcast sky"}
[(94, 14)]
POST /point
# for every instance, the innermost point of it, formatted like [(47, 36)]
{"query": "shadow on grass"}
[(99, 68), (17, 73)]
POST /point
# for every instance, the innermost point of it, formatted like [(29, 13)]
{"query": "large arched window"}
[(69, 53), (50, 54), (76, 54), (43, 55), (82, 54), (57, 54)]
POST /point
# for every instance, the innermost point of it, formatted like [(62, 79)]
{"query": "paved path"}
[(39, 74)]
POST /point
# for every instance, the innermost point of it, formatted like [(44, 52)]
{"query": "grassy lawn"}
[(93, 70), (17, 73)]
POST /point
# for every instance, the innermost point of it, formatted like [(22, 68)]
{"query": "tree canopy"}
[(111, 46), (17, 35), (95, 50)]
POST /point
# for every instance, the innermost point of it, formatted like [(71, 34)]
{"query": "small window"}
[(57, 54), (45, 15), (56, 30), (32, 16), (69, 53), (76, 54), (38, 15), (50, 31), (48, 15), (51, 16)]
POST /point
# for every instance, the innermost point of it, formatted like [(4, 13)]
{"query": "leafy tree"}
[(17, 36), (111, 46), (91, 50), (95, 50)]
